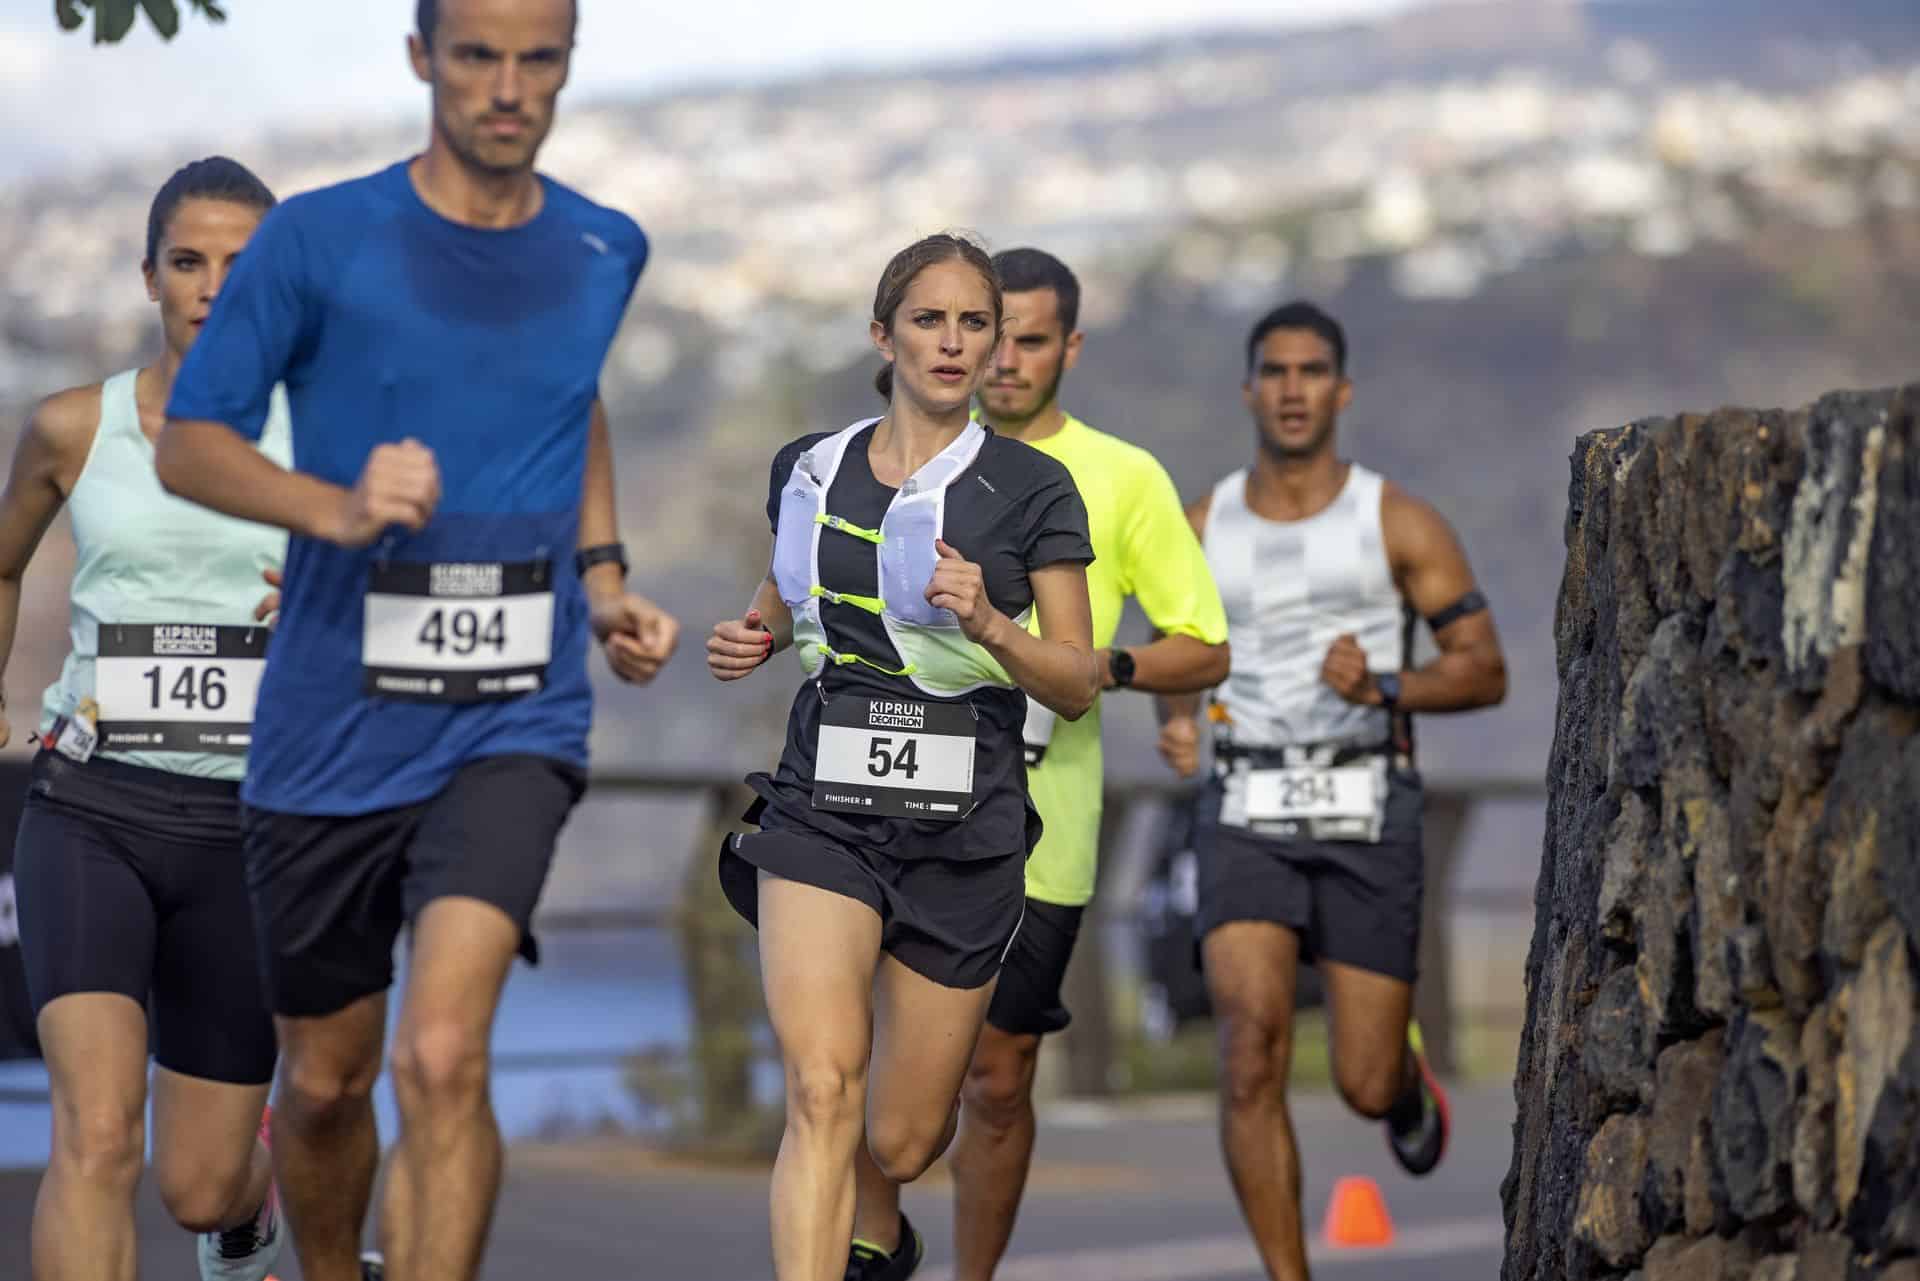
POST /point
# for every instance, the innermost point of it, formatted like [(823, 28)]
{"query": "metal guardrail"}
[(1450, 800), (724, 987)]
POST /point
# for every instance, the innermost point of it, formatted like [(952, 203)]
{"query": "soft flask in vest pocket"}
[(938, 658)]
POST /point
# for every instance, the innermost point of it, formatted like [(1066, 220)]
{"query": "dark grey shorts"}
[(331, 894), (1029, 1000), (947, 920), (1355, 903)]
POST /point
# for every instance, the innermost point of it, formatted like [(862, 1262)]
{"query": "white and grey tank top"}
[(1290, 588)]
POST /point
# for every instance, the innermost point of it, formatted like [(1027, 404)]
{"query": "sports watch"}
[(601, 554), (1388, 683), (1120, 664)]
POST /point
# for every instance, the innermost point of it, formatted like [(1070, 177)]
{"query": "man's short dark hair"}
[(1300, 314), (426, 16), (1021, 270)]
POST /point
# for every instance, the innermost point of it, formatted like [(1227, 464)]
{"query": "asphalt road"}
[(1134, 1193)]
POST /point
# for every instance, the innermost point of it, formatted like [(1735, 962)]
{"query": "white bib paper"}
[(894, 758), (457, 632), (1319, 802), (178, 687)]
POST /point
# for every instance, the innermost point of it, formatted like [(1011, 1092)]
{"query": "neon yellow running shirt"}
[(1143, 547)]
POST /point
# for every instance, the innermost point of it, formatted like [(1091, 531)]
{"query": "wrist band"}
[(601, 554)]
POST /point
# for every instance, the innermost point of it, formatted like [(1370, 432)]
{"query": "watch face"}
[(1122, 666)]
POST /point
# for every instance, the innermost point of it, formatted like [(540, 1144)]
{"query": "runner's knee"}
[(440, 1061), (903, 1147), (103, 1142), (199, 1192), (1370, 1087), (1254, 1052), (999, 1086), (317, 1091), (823, 1094)]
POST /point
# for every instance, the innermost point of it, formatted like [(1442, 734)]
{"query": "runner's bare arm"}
[(213, 465), (1172, 665), (46, 463), (740, 645), (599, 508), (1432, 571), (637, 635), (1056, 667), (1184, 704)]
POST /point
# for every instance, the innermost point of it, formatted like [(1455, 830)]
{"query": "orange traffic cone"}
[(1357, 1214)]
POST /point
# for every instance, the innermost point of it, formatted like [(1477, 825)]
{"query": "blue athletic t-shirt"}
[(386, 320)]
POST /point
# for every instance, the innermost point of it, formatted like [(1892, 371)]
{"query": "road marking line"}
[(1234, 1255)]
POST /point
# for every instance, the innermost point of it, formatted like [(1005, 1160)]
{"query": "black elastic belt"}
[(1294, 755)]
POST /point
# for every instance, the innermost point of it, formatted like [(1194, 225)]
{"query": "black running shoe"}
[(1419, 1143), (868, 1262), (373, 1266)]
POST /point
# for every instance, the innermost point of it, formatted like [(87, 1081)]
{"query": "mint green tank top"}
[(162, 632)]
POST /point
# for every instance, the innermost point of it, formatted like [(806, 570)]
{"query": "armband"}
[(1472, 603)]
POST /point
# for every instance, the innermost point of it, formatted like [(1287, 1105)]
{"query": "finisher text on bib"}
[(1328, 803), (178, 687), (457, 632), (894, 758)]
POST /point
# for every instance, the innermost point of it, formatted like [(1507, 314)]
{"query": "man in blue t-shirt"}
[(421, 734)]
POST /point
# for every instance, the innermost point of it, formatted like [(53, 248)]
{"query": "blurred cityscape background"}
[(1535, 217)]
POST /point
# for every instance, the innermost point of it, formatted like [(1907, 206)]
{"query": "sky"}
[(66, 104)]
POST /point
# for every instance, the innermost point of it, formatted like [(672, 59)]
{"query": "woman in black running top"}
[(931, 577)]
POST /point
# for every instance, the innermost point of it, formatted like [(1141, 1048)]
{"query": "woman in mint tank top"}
[(132, 899)]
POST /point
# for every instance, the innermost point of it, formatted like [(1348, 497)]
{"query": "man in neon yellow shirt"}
[(1145, 548)]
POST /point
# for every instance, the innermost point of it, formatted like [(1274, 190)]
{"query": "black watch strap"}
[(601, 554)]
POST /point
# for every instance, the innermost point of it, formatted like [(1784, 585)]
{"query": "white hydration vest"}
[(939, 659), (1290, 588)]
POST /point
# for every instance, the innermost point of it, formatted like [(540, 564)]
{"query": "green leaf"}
[(212, 10), (164, 15), (112, 19), (68, 15)]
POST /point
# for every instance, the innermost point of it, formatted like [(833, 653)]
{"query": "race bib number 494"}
[(894, 758), (457, 632), (178, 687)]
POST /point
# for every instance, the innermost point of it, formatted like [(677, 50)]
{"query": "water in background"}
[(564, 1028)]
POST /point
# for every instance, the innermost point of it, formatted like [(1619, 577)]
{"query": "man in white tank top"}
[(1308, 835)]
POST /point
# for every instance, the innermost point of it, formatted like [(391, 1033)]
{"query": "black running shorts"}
[(947, 920), (1028, 1001), (1350, 902), (130, 880), (332, 892)]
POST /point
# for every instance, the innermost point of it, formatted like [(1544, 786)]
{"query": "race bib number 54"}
[(894, 758), (459, 631)]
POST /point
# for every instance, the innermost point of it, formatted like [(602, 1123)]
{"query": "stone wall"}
[(1719, 1075)]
